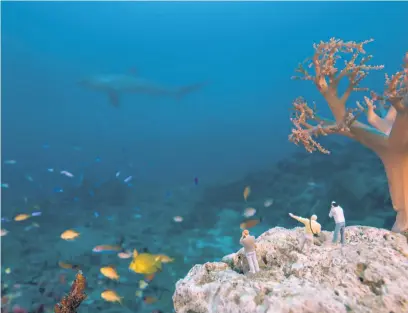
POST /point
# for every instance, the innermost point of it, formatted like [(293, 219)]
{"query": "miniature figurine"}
[(337, 213), (311, 228), (249, 247)]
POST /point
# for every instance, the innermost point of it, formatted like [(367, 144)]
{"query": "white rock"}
[(368, 275)]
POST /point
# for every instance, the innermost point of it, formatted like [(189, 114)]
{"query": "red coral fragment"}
[(71, 302)]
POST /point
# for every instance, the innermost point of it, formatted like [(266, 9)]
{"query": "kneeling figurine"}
[(249, 248)]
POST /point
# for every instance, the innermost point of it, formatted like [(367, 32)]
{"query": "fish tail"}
[(183, 91)]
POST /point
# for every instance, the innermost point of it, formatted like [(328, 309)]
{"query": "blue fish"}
[(58, 189)]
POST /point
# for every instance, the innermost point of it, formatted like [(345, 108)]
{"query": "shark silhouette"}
[(115, 85)]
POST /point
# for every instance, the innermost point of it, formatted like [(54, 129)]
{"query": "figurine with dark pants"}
[(337, 213), (249, 248), (311, 228)]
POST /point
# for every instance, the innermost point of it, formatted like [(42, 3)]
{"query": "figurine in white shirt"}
[(337, 213)]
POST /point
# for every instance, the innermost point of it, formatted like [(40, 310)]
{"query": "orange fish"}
[(69, 235), (106, 248), (247, 192), (250, 223), (149, 300), (68, 266), (111, 296), (150, 277), (22, 217), (110, 272)]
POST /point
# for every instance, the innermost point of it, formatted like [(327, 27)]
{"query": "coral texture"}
[(71, 302), (387, 136), (369, 274)]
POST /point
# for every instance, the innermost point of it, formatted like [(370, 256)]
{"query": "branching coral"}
[(71, 302), (387, 136)]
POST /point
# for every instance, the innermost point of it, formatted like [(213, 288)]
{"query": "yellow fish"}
[(247, 192), (69, 234), (111, 296), (145, 263), (110, 272), (164, 258), (22, 217)]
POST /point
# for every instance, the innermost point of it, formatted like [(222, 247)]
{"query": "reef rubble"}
[(368, 274)]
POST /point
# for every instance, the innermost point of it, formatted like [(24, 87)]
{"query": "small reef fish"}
[(117, 174), (196, 181), (68, 266), (23, 217), (50, 170), (29, 178), (164, 258), (110, 272), (106, 248), (66, 173), (139, 293), (125, 255), (69, 235), (249, 212), (145, 263), (247, 192), (10, 162), (149, 300), (4, 232), (127, 179), (111, 296), (143, 285), (30, 227), (268, 203), (178, 219), (4, 185), (250, 223)]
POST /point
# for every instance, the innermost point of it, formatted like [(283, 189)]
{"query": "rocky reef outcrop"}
[(368, 274)]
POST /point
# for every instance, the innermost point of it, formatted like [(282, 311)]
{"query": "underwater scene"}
[(204, 157)]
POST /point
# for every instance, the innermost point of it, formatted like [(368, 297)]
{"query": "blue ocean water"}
[(177, 150)]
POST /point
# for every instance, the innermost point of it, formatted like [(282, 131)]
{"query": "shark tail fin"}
[(183, 91), (114, 98)]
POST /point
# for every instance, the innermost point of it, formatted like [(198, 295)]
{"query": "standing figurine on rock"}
[(337, 213), (311, 228), (249, 247)]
